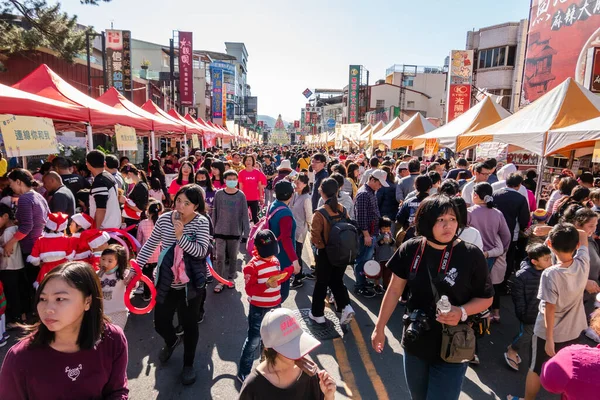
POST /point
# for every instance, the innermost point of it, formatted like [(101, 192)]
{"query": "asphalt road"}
[(360, 372)]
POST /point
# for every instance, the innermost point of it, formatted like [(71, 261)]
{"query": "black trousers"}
[(332, 277), (254, 205), (14, 282), (188, 312), (148, 271), (28, 296)]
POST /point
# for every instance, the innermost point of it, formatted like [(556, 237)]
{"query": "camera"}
[(418, 322)]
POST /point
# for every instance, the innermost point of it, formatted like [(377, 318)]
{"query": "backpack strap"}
[(269, 215)]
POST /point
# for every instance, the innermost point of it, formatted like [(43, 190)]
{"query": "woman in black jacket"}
[(524, 293)]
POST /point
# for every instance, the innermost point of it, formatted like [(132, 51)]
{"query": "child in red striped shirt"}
[(263, 277)]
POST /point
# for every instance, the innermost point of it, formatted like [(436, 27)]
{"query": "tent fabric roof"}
[(18, 102), (565, 105), (364, 136), (206, 126), (393, 124), (189, 127), (577, 136), (46, 83), (115, 99), (484, 113), (194, 122), (404, 134), (153, 109)]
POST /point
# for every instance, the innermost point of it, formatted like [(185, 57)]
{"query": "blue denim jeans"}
[(255, 317), (364, 254), (433, 380)]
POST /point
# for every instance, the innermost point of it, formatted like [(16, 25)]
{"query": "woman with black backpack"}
[(328, 275)]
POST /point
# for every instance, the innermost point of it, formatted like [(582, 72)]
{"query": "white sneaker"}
[(139, 290), (318, 320), (347, 315)]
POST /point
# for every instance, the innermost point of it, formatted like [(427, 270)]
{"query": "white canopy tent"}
[(565, 105), (404, 134), (484, 113)]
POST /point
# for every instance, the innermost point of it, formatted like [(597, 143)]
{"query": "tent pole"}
[(540, 171), (24, 161), (90, 138), (152, 145)]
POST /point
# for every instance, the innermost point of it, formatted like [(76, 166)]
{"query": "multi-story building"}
[(156, 60), (240, 53), (500, 60), (406, 90)]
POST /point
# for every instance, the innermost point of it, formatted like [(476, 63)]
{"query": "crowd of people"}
[(444, 239)]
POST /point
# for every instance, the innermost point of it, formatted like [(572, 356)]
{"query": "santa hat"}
[(84, 221), (97, 239), (57, 222), (129, 212)]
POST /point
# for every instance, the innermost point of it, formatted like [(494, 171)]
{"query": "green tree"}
[(30, 24)]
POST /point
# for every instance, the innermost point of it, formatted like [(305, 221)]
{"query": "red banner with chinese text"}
[(186, 75), (459, 101)]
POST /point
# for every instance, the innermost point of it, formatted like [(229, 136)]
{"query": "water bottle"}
[(443, 305)]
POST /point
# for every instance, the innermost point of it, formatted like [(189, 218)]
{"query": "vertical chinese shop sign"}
[(118, 56), (353, 93), (186, 85)]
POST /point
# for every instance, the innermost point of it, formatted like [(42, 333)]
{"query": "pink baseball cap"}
[(281, 332)]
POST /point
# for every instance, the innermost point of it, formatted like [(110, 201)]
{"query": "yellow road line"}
[(345, 369), (368, 363)]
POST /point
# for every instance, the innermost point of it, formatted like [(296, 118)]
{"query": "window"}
[(410, 104), (408, 81), (380, 104), (495, 57), (510, 59)]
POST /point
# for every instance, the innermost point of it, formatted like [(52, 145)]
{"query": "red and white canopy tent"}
[(44, 82), (116, 100), (18, 102), (190, 127)]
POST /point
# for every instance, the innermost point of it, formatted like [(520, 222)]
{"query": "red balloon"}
[(139, 276)]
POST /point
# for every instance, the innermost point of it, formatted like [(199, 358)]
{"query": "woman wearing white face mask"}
[(137, 200)]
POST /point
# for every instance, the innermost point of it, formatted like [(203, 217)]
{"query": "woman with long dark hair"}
[(73, 352), (434, 264), (186, 176), (328, 275), (135, 203), (203, 180), (218, 170), (156, 171), (32, 214), (184, 239)]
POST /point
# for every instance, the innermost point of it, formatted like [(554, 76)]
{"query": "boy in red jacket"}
[(263, 277)]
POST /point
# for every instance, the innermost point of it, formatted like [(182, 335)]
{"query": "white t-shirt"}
[(15, 261), (472, 235), (113, 292), (156, 194), (467, 192)]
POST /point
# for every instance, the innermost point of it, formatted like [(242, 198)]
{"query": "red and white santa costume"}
[(52, 248), (95, 240), (79, 239)]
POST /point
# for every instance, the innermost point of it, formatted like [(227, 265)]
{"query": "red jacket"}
[(49, 251), (256, 274)]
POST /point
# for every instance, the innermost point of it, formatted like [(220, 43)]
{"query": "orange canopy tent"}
[(18, 102)]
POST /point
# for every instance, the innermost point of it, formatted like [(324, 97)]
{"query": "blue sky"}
[(293, 45)]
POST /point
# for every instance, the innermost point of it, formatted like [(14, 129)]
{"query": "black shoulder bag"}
[(458, 342)]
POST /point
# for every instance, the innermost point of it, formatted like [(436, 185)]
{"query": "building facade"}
[(406, 90), (242, 89), (500, 60)]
